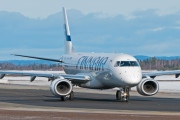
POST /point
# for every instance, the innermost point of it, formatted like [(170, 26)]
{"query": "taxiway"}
[(38, 98)]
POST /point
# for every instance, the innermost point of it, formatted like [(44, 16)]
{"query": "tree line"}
[(159, 64), (35, 66), (147, 64)]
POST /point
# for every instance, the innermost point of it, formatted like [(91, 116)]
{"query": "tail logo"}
[(68, 37)]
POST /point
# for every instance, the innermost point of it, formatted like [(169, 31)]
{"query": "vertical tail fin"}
[(68, 42)]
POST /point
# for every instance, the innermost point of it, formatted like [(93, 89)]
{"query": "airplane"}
[(96, 71)]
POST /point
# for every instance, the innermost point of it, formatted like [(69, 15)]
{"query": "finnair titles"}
[(90, 63)]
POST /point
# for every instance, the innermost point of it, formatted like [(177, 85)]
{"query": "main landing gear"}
[(123, 94), (70, 96)]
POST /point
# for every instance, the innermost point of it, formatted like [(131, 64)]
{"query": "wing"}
[(75, 79), (159, 73)]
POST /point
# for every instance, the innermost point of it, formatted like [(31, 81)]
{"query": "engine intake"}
[(61, 87), (148, 87)]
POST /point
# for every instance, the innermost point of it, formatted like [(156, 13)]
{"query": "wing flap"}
[(24, 73), (160, 73), (76, 79)]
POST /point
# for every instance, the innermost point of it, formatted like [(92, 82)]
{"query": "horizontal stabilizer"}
[(48, 59)]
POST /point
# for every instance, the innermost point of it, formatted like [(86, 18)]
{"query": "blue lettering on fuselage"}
[(91, 63)]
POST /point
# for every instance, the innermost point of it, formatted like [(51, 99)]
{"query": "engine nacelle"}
[(61, 87), (148, 87)]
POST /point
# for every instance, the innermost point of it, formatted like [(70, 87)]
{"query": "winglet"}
[(2, 76)]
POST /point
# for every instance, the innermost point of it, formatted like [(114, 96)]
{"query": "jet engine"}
[(61, 87), (148, 87)]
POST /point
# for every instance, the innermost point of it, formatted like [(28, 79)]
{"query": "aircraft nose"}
[(133, 79)]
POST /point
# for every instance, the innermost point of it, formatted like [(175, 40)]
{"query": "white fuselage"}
[(102, 69)]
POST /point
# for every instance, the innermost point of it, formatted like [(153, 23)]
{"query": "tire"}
[(118, 95), (63, 98), (128, 96), (71, 96)]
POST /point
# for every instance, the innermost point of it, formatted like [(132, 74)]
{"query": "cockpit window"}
[(117, 64), (134, 63), (126, 64)]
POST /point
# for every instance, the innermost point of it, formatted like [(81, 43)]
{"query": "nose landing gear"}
[(123, 94)]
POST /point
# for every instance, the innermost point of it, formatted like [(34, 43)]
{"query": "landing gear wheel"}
[(123, 94), (71, 96), (127, 96), (63, 98), (118, 95)]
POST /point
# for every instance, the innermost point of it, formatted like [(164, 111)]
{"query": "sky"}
[(136, 27), (44, 8)]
